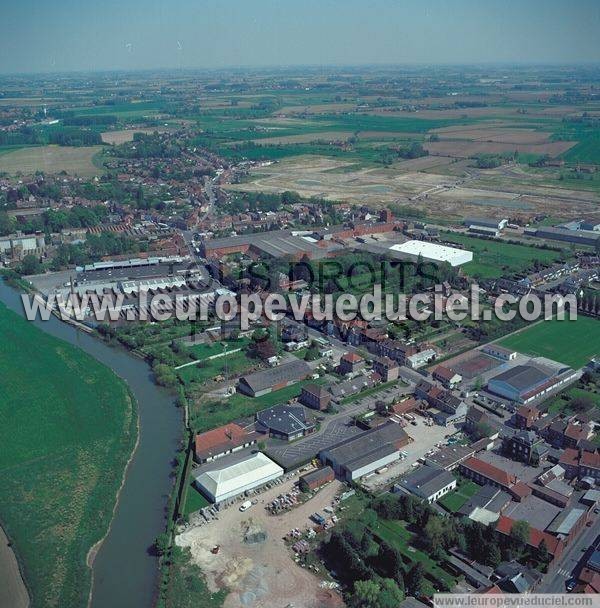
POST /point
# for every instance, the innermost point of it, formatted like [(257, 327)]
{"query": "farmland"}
[(51, 159), (573, 343), (68, 429)]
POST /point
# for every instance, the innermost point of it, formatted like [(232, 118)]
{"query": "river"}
[(124, 570)]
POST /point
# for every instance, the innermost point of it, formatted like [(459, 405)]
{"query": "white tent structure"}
[(229, 481)]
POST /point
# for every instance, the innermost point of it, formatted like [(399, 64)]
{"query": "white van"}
[(245, 505)]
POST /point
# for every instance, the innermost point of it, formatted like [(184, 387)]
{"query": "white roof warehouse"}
[(228, 481), (433, 252)]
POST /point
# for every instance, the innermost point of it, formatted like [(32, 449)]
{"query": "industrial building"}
[(524, 383), (432, 252), (222, 441), (19, 245), (230, 480), (358, 456), (287, 422), (315, 479), (428, 483), (274, 378), (578, 237)]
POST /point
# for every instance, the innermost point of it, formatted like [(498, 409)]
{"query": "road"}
[(569, 562)]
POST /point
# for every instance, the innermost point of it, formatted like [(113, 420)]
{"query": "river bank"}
[(13, 591), (124, 567)]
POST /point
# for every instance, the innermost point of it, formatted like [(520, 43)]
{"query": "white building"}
[(432, 252), (227, 481)]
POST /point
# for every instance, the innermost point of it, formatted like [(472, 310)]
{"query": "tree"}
[(30, 265), (520, 532), (161, 543), (493, 555), (365, 595), (415, 579), (390, 594)]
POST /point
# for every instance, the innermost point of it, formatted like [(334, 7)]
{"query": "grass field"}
[(68, 429), (453, 501), (51, 159), (493, 259), (573, 343)]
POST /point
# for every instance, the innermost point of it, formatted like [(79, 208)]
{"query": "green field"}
[(573, 343), (453, 501), (68, 429), (492, 259)]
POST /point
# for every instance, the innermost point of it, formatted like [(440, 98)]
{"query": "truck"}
[(318, 519)]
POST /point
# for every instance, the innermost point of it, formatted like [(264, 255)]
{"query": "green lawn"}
[(573, 343), (237, 363), (560, 403), (453, 501), (68, 428), (492, 259), (194, 501), (395, 533)]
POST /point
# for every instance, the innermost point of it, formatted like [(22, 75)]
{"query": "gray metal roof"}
[(565, 520), (367, 446), (294, 370), (286, 419), (427, 480), (522, 377)]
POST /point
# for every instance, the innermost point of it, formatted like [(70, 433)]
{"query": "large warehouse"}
[(524, 383), (222, 483), (358, 456), (432, 252)]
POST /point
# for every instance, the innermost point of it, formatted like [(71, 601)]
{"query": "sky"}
[(74, 35)]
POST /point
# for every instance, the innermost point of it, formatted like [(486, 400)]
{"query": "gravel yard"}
[(261, 574)]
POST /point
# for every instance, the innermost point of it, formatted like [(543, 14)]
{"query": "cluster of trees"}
[(491, 161), (95, 246), (412, 150), (261, 201), (146, 145), (63, 136), (373, 573), (55, 221)]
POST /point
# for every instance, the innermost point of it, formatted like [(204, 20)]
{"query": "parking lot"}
[(425, 438)]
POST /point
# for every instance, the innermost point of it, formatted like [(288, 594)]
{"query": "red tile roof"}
[(490, 471), (569, 457), (444, 372), (220, 440), (553, 544), (590, 459), (352, 358)]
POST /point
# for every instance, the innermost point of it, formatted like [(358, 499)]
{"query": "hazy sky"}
[(64, 35)]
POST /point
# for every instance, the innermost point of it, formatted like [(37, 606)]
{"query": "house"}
[(353, 458), (483, 473), (487, 497), (350, 363), (287, 422), (221, 441), (524, 446), (316, 397), (428, 483), (275, 378), (514, 577), (387, 368), (475, 419), (421, 358), (446, 407), (446, 376), (589, 466), (499, 352), (315, 479), (525, 416)]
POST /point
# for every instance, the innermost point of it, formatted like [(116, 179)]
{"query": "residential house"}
[(316, 397), (387, 368), (448, 378), (350, 363)]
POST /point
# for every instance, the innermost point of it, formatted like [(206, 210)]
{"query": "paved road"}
[(571, 560)]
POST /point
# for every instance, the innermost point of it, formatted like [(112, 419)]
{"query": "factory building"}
[(230, 480), (432, 252)]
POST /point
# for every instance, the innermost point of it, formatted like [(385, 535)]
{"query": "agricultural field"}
[(492, 259), (573, 343), (68, 429), (52, 159)]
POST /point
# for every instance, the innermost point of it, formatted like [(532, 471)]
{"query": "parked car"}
[(570, 584)]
